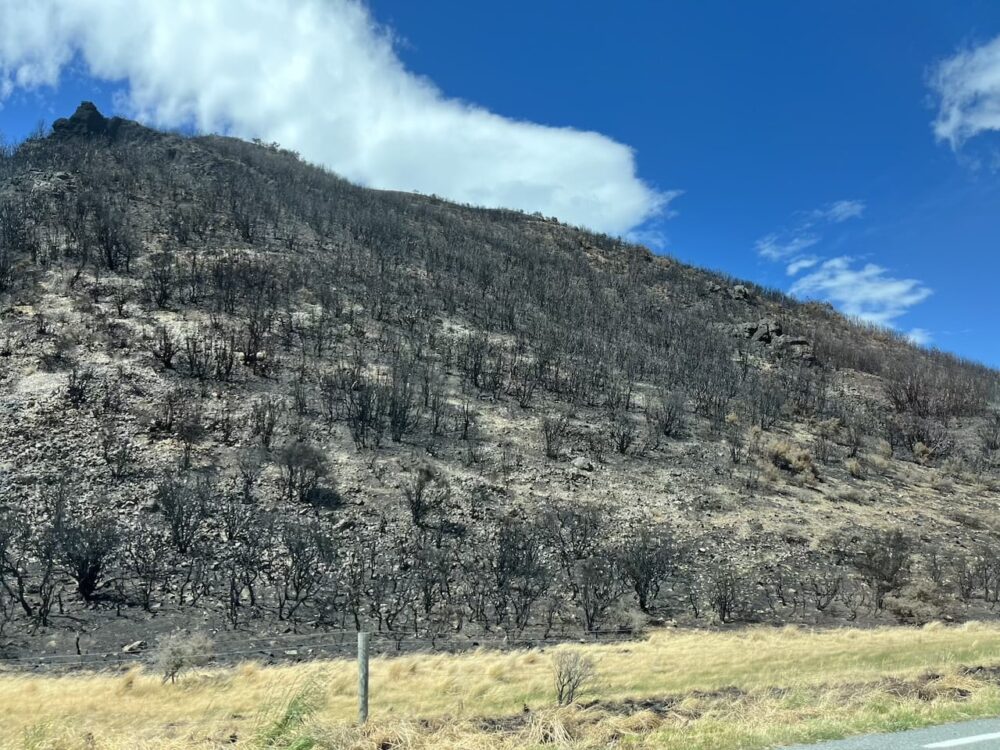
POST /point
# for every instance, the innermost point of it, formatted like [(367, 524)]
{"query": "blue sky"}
[(766, 138)]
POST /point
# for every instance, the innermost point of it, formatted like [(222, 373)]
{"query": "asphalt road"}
[(968, 735)]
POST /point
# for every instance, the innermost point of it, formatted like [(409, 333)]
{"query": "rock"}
[(797, 347), (583, 464), (740, 292), (135, 647), (764, 330), (88, 122), (767, 330), (791, 341)]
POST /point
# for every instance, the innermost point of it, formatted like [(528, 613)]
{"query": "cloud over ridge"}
[(323, 78), (867, 292)]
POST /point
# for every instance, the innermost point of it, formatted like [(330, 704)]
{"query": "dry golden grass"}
[(754, 688)]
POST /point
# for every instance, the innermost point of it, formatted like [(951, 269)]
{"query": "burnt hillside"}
[(241, 393)]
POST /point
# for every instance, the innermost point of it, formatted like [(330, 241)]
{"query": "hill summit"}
[(87, 121)]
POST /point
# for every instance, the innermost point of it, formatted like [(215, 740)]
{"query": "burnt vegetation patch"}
[(240, 390)]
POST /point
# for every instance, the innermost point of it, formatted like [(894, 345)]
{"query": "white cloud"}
[(321, 77), (867, 291), (804, 234), (968, 88), (864, 291), (774, 247), (920, 336), (653, 237), (801, 264), (840, 211), (652, 234)]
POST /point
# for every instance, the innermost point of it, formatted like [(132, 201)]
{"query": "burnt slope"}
[(241, 393)]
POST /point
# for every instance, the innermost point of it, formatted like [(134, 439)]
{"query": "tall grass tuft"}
[(288, 732)]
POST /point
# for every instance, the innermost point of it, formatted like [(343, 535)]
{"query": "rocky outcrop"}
[(738, 292), (796, 347), (88, 122), (741, 292), (770, 332), (764, 330)]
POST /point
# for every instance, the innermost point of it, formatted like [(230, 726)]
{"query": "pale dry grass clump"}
[(755, 688), (855, 468), (793, 459)]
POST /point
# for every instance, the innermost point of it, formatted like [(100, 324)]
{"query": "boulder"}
[(135, 647), (740, 292), (794, 346), (767, 330), (343, 524)]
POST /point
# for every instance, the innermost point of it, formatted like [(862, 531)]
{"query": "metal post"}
[(362, 677)]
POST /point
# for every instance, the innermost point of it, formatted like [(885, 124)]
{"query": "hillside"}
[(242, 395)]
